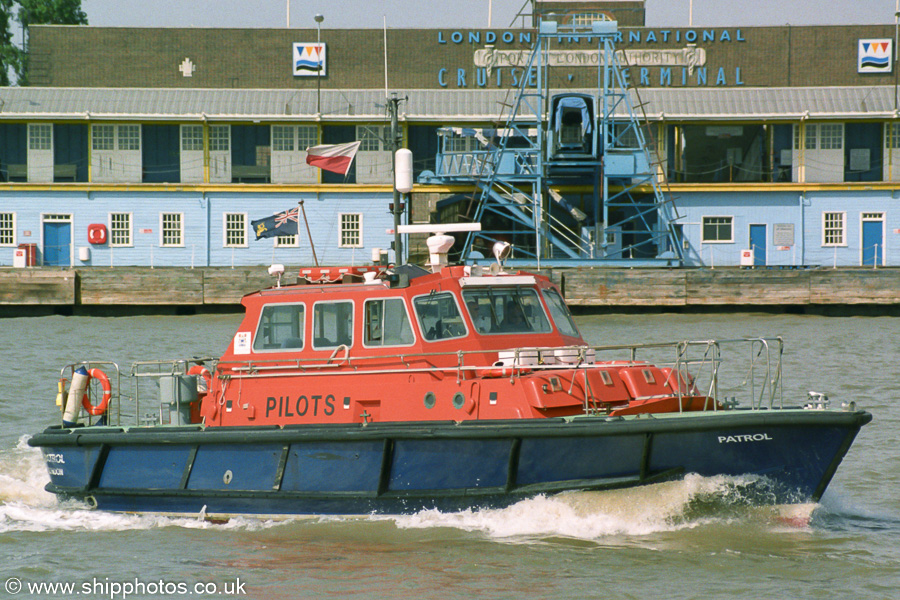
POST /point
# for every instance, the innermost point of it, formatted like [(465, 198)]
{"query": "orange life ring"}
[(202, 372), (505, 372), (107, 393)]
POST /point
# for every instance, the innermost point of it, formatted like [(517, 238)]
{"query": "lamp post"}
[(319, 18)]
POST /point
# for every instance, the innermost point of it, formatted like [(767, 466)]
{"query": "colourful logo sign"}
[(309, 60), (875, 56)]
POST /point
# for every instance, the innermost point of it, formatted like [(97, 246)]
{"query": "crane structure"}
[(570, 178)]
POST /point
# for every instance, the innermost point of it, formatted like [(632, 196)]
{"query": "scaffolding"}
[(553, 142)]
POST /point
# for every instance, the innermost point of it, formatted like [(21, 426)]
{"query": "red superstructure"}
[(408, 345)]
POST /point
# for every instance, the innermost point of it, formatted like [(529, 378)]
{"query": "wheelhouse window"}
[(506, 310), (560, 313), (120, 229), (718, 229), (387, 323), (171, 229), (235, 230), (7, 229), (834, 228), (439, 317), (332, 324), (280, 327)]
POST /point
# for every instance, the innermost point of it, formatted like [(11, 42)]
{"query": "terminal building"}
[(776, 146)]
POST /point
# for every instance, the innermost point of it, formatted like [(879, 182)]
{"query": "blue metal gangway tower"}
[(558, 141)]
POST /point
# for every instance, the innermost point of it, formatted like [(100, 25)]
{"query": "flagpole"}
[(311, 244)]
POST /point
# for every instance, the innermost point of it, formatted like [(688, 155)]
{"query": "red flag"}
[(332, 157)]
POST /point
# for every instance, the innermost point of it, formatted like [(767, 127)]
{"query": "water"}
[(679, 540)]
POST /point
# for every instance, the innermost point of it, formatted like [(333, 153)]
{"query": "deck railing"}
[(745, 371)]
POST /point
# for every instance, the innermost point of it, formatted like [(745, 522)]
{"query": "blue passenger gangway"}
[(557, 142)]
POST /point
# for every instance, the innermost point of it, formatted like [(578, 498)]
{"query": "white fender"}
[(80, 380)]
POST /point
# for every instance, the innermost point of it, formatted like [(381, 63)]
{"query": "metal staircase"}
[(522, 172)]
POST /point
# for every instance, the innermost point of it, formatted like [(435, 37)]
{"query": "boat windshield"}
[(560, 313), (506, 310), (439, 317)]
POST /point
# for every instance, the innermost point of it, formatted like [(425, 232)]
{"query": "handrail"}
[(694, 369)]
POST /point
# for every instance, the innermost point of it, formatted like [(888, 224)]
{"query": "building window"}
[(831, 136), (191, 138), (834, 228), (286, 241), (307, 136), (282, 138), (40, 137), (7, 229), (172, 229), (235, 230), (373, 137), (892, 135), (129, 137), (462, 144), (112, 137), (811, 131), (351, 230), (586, 19), (103, 137), (718, 229), (120, 229), (219, 138)]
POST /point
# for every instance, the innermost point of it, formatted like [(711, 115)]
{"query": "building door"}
[(872, 239), (57, 240), (758, 244)]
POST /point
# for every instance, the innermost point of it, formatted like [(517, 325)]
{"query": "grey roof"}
[(674, 104)]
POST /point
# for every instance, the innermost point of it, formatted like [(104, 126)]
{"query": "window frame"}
[(829, 230), (373, 138), (163, 229), (314, 323), (365, 322), (343, 229), (301, 327), (117, 232), (219, 138), (190, 141), (40, 136), (421, 324), (703, 226), (244, 243), (8, 229)]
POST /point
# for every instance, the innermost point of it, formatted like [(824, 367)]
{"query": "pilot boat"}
[(393, 389)]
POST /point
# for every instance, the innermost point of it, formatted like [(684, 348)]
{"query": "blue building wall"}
[(203, 219), (804, 211)]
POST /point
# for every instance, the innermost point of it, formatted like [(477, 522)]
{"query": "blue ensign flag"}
[(284, 223)]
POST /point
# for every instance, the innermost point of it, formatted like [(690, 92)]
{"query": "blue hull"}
[(397, 468)]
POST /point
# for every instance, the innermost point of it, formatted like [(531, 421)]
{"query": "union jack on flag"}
[(283, 223)]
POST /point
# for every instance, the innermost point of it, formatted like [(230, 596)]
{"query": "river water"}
[(676, 540)]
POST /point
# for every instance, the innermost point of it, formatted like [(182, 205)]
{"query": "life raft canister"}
[(107, 393)]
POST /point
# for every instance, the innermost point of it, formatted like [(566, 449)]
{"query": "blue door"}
[(873, 243), (758, 244), (57, 244)]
